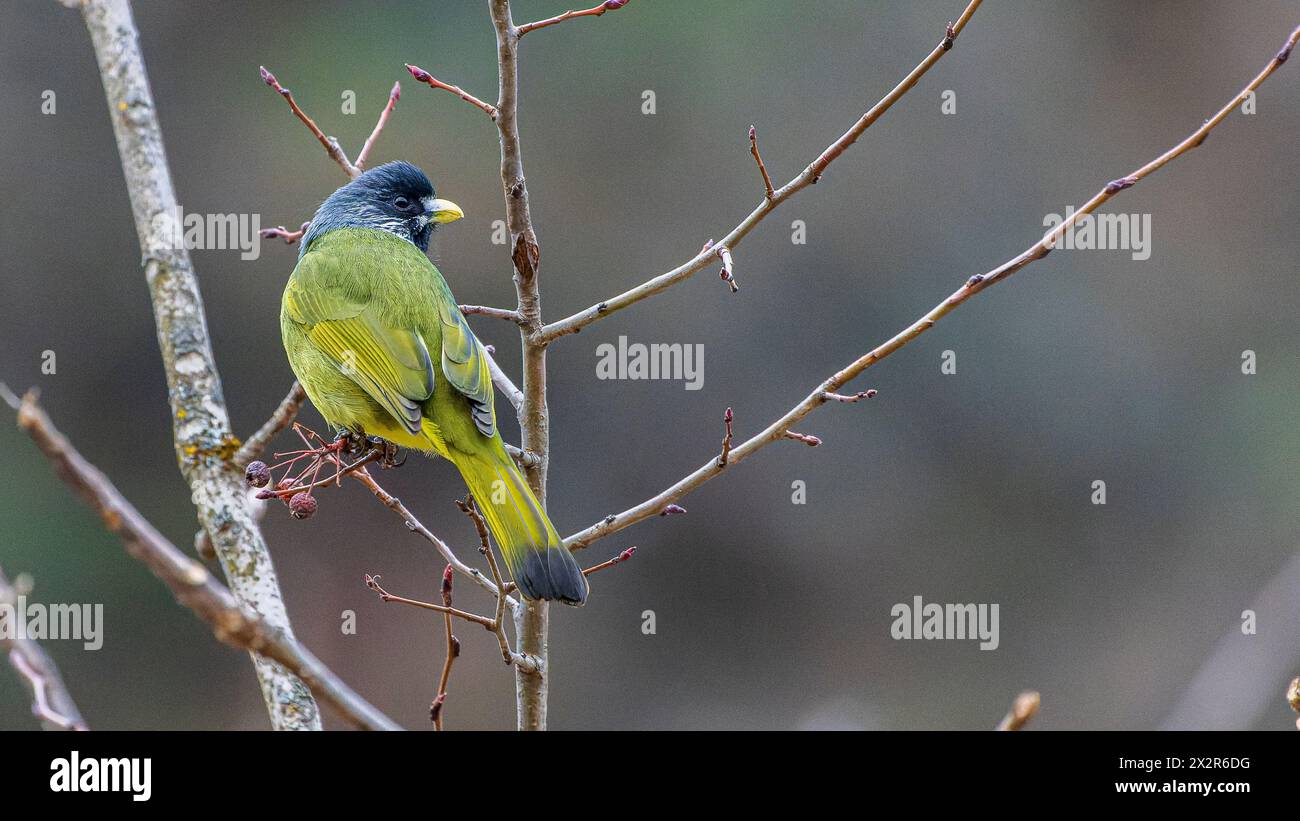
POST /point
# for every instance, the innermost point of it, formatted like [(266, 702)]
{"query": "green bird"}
[(382, 349)]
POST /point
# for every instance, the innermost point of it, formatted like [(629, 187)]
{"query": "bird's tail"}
[(538, 560)]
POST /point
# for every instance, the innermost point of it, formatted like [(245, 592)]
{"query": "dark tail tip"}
[(553, 574)]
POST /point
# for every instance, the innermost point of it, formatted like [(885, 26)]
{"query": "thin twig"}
[(280, 232), (192, 584), (621, 557), (428, 79), (331, 145), (856, 397), (594, 11), (508, 314), (413, 524), (509, 656), (727, 419), (503, 384), (758, 158), (373, 583), (453, 650), (810, 174), (281, 418), (826, 391), (808, 439), (364, 154), (1022, 710), (51, 701)]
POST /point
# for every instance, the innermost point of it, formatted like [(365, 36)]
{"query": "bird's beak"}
[(443, 211)]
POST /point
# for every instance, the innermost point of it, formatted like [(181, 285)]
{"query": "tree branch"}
[(51, 701), (281, 418), (508, 314), (575, 323), (428, 79), (826, 391), (330, 144), (1024, 708), (531, 618), (413, 524), (203, 439), (595, 11), (194, 587), (393, 97)]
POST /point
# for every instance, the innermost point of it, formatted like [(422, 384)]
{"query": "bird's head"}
[(396, 197)]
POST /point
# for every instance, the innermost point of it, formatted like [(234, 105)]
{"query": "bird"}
[(382, 349)]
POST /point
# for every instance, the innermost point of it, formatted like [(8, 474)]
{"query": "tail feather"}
[(538, 560)]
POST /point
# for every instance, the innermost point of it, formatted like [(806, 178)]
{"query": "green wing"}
[(390, 364), (464, 361)]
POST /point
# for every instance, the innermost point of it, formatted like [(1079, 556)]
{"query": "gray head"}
[(396, 197)]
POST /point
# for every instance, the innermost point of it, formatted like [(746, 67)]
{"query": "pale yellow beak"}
[(444, 211)]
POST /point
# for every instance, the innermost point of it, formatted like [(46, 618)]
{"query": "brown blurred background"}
[(971, 487)]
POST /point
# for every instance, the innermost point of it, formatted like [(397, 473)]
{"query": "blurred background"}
[(970, 487)]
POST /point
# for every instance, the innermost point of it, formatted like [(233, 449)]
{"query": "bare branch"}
[(373, 583), (508, 314), (282, 417), (280, 232), (621, 557), (507, 388), (51, 701), (201, 424), (194, 587), (808, 176), (758, 158), (331, 145), (428, 79), (857, 397), (499, 620), (826, 391), (807, 439), (595, 11), (531, 618), (727, 419), (453, 650), (1024, 708), (364, 155), (413, 524)]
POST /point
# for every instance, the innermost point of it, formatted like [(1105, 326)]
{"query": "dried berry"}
[(257, 474), (302, 505)]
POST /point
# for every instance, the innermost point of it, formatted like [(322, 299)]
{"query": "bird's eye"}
[(402, 203)]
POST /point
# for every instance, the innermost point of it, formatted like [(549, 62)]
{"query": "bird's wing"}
[(464, 361), (390, 364)]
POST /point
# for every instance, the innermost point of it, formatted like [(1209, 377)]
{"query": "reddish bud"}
[(396, 93), (257, 474), (418, 73), (435, 709), (626, 554), (302, 505), (455, 647), (615, 4), (267, 77), (446, 586), (672, 510)]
